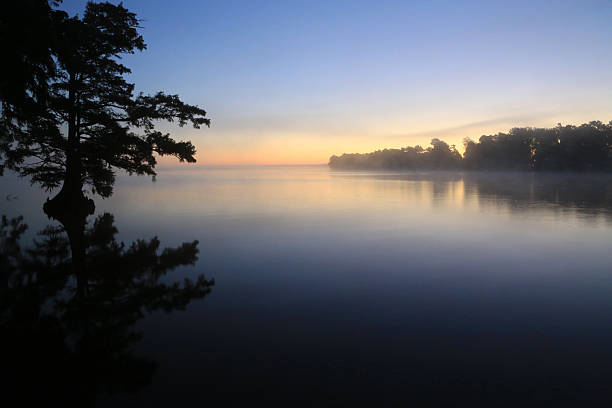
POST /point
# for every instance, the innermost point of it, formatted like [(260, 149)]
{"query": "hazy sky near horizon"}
[(298, 81)]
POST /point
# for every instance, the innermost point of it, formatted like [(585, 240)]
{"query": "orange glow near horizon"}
[(227, 146)]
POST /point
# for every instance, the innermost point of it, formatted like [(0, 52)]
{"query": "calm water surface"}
[(364, 287)]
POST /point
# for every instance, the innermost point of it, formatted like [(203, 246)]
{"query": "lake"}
[(380, 288)]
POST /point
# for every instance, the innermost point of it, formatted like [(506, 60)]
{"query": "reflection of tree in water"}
[(66, 339), (588, 195)]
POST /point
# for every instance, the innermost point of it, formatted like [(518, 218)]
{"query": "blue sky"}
[(297, 81)]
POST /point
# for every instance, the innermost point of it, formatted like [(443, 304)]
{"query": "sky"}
[(293, 82)]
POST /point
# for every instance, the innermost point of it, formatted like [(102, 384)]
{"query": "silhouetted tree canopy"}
[(68, 116), (438, 156), (587, 147)]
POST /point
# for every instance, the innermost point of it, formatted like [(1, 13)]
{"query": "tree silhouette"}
[(71, 119), (438, 156), (587, 147), (66, 340)]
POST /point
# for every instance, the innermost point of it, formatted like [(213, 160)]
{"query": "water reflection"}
[(589, 195), (342, 288), (69, 304)]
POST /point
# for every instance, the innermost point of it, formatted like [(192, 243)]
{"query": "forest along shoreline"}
[(583, 148)]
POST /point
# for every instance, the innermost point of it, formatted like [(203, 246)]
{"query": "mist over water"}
[(373, 286)]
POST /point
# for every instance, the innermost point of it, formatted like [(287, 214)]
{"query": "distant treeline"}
[(587, 147)]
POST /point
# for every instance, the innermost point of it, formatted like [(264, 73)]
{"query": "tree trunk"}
[(70, 201), (70, 206)]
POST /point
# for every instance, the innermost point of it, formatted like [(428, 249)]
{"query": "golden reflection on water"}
[(397, 198)]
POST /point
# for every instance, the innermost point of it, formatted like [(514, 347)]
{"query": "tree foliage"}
[(71, 118), (438, 156), (587, 147)]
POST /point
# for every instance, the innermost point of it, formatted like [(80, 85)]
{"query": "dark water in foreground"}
[(336, 288)]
